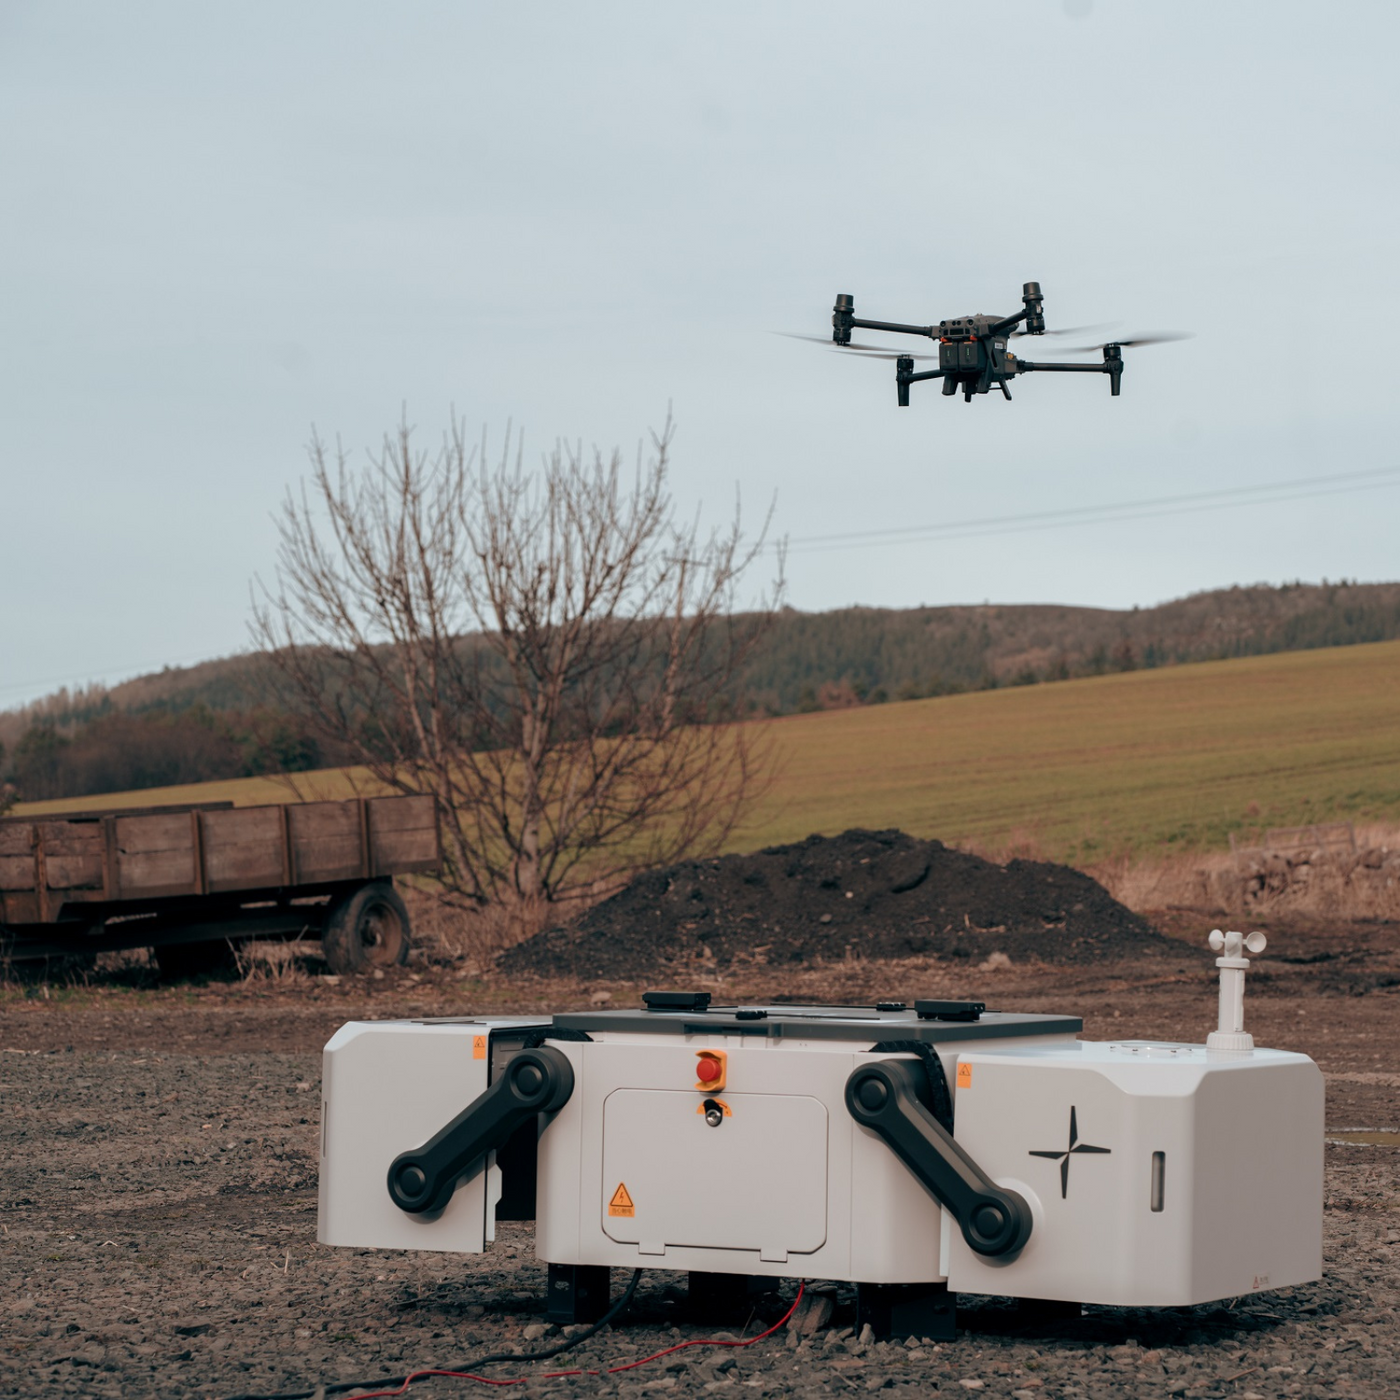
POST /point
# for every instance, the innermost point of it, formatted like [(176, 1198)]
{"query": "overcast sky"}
[(223, 224)]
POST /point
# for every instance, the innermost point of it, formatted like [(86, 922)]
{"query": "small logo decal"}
[(621, 1203), (1075, 1146)]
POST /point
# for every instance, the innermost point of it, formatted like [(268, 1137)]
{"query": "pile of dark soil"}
[(867, 894)]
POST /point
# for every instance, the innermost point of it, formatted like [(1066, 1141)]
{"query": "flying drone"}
[(972, 350)]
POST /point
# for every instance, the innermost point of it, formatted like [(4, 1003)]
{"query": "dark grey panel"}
[(819, 1023)]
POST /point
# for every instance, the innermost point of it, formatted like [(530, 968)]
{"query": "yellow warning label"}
[(621, 1203), (478, 1047), (964, 1076)]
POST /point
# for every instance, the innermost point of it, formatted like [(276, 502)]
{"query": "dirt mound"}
[(871, 894)]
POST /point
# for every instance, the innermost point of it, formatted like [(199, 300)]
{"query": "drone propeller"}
[(871, 352), (1158, 338), (897, 355), (828, 342), (1073, 330)]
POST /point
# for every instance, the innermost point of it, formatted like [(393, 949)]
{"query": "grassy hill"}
[(1142, 761), (226, 719)]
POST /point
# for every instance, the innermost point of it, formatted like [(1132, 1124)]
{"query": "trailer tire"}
[(366, 929), (213, 958)]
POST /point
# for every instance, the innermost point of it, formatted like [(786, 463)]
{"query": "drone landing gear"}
[(904, 376)]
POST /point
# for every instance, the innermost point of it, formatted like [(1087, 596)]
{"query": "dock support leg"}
[(721, 1298), (577, 1293), (897, 1310), (1040, 1310)]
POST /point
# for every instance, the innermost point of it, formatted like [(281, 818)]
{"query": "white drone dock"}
[(916, 1151)]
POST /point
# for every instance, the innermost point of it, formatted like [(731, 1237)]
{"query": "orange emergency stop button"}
[(710, 1068)]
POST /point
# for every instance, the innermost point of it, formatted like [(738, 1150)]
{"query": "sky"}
[(224, 227)]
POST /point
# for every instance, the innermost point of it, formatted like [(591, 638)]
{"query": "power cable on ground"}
[(467, 1371)]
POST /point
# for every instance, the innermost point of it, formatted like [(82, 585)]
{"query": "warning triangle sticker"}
[(621, 1203)]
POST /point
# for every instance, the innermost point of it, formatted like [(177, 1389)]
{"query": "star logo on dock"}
[(1074, 1147)]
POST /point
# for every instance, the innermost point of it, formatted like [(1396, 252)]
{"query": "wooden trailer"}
[(189, 881)]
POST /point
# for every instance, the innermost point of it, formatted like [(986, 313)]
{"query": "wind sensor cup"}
[(1230, 1033)]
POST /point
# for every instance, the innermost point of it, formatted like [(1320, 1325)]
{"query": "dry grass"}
[(274, 966), (473, 937), (1207, 881)]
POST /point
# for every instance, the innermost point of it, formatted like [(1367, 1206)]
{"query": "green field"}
[(1139, 762), (1142, 762)]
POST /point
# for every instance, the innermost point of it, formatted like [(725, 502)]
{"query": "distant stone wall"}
[(1358, 883)]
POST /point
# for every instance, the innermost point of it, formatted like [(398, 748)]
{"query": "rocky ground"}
[(157, 1202)]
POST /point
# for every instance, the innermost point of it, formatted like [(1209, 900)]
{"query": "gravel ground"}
[(157, 1202)]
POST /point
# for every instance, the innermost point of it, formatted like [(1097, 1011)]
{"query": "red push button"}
[(710, 1069)]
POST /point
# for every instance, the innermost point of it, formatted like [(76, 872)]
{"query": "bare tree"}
[(552, 654)]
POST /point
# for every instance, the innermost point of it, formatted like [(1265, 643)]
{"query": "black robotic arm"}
[(535, 1081), (884, 1097)]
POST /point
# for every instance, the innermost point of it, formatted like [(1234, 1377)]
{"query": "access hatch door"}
[(757, 1181)]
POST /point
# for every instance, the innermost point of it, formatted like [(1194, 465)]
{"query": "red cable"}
[(611, 1370)]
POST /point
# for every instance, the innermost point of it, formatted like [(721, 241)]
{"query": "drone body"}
[(973, 354)]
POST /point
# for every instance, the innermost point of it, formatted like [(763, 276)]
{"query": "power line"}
[(1268, 493), (136, 670)]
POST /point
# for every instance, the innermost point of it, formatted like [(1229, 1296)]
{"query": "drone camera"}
[(841, 317)]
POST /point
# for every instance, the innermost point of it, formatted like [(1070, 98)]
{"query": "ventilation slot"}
[(1159, 1179)]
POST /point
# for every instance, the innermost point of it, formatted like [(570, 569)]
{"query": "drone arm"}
[(844, 320), (1112, 366), (1032, 313), (891, 326)]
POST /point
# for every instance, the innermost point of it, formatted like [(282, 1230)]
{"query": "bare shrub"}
[(552, 654)]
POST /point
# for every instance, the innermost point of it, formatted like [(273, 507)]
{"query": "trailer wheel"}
[(213, 958), (366, 929)]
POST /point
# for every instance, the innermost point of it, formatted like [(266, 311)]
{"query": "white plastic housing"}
[(1210, 1187), (386, 1087)]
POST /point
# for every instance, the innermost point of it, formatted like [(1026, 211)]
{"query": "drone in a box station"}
[(916, 1150), (973, 351)]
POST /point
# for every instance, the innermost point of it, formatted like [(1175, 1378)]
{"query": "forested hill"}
[(875, 654), (220, 719)]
